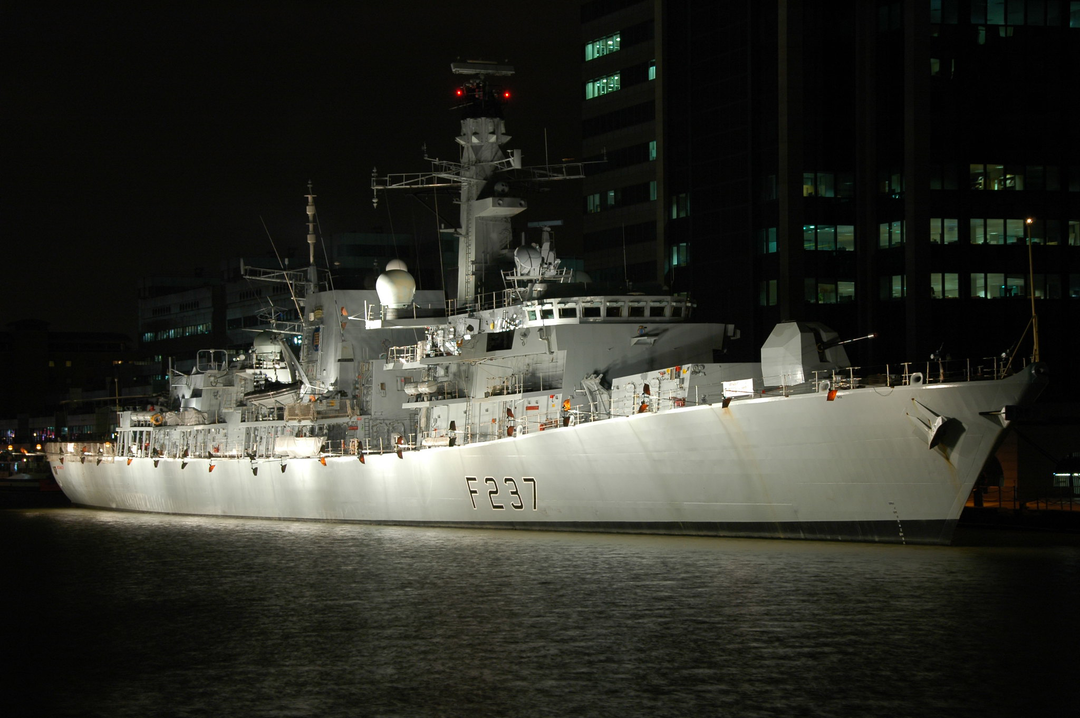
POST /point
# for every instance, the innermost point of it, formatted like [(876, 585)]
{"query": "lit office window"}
[(893, 287), (891, 234), (992, 285), (845, 237), (944, 230), (767, 240), (680, 255), (822, 237), (996, 177), (680, 205), (767, 296), (945, 285), (602, 85), (828, 291), (826, 237), (1015, 231), (603, 46), (1000, 231)]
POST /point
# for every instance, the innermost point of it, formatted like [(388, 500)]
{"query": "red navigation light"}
[(506, 95), (460, 92)]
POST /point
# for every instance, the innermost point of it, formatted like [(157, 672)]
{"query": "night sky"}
[(145, 139)]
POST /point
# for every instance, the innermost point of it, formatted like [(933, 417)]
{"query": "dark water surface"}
[(111, 614)]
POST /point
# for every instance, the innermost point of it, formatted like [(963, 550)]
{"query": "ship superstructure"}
[(528, 400)]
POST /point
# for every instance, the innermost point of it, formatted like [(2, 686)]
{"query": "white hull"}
[(857, 468)]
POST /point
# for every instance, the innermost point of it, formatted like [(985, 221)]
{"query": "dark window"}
[(619, 119), (497, 341)]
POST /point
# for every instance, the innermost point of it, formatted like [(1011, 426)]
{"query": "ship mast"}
[(486, 203), (485, 213), (312, 270), (309, 354)]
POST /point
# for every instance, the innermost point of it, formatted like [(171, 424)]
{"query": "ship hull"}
[(860, 467)]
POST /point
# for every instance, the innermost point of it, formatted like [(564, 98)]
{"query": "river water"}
[(115, 614)]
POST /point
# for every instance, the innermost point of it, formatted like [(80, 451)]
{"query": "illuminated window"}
[(945, 286), (1074, 233), (767, 240), (652, 191), (891, 234), (826, 237), (978, 231), (988, 286), (767, 297), (680, 205), (602, 85), (603, 46), (822, 237), (891, 182), (652, 150), (893, 287), (592, 203), (977, 175), (944, 231), (845, 237), (845, 291), (680, 255), (1015, 231), (652, 70)]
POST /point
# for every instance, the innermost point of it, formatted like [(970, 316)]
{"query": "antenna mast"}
[(310, 225)]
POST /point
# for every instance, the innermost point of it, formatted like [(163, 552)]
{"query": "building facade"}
[(870, 165)]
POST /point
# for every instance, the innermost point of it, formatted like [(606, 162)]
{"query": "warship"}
[(543, 404)]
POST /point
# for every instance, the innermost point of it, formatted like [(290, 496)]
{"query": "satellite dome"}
[(395, 287), (396, 264)]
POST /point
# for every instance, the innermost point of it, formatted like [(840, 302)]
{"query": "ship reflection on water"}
[(140, 615)]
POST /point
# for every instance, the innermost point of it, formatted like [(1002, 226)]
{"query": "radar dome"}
[(395, 287), (527, 260)]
